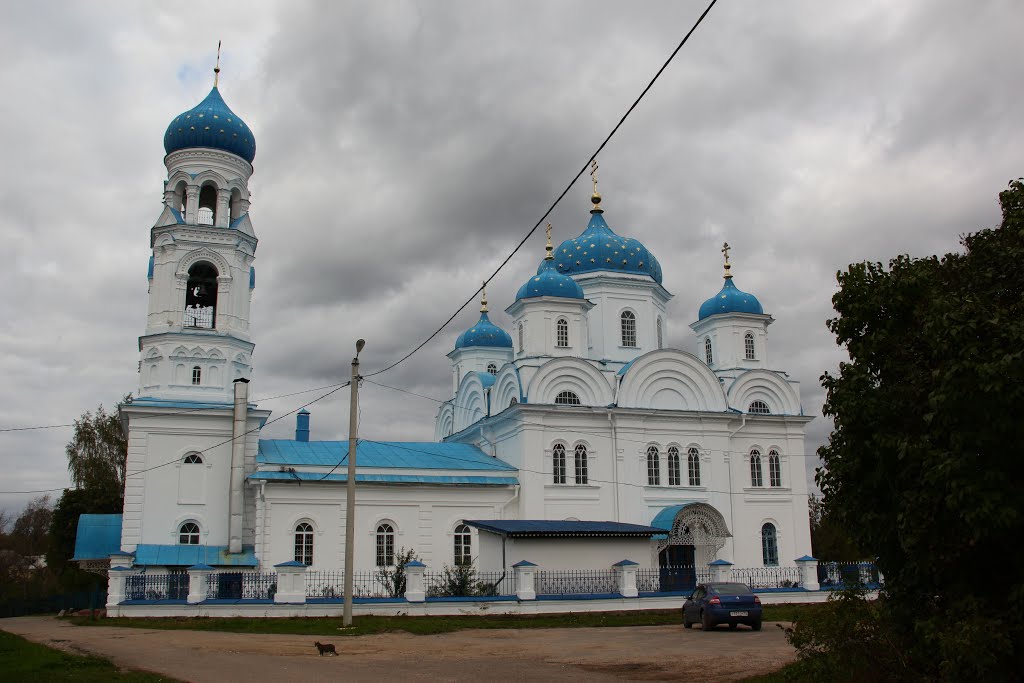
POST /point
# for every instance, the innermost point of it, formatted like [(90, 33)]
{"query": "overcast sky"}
[(404, 148)]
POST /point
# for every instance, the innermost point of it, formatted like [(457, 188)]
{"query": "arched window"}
[(759, 408), (492, 369), (385, 545), (628, 328), (197, 375), (562, 333), (463, 546), (769, 545), (188, 534), (748, 345), (567, 398), (755, 468), (201, 296), (581, 464), (304, 543), (653, 466), (513, 402), (693, 465), (674, 478), (707, 351), (207, 205), (193, 459), (661, 343), (774, 469), (558, 464), (520, 337)]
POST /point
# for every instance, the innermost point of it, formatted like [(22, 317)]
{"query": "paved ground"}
[(641, 653)]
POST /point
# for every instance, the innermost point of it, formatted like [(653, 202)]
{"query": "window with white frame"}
[(188, 534), (463, 546), (755, 468), (567, 398), (769, 545), (581, 463), (660, 338), (385, 544), (748, 345), (562, 333), (653, 466), (558, 464), (628, 320), (492, 369), (197, 375), (674, 478), (759, 408), (304, 543), (693, 464), (774, 469), (513, 401), (707, 351)]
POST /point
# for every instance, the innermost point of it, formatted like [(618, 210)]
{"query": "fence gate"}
[(677, 570)]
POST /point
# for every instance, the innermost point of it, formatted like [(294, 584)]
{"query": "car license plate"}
[(737, 614)]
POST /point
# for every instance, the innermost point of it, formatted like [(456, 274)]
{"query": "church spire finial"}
[(216, 69), (550, 247), (483, 297), (595, 198), (725, 250)]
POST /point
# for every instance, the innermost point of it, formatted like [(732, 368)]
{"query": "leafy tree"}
[(98, 452), (829, 541), (29, 531), (922, 465)]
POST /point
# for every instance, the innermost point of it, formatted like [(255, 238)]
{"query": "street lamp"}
[(350, 486)]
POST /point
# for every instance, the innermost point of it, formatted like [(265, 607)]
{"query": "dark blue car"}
[(712, 604)]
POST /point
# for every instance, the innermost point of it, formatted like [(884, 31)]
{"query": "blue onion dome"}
[(484, 333), (730, 300), (599, 248), (213, 125), (549, 282)]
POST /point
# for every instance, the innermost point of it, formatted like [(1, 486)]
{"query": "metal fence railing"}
[(156, 587), (576, 581), (467, 582), (241, 586), (330, 584), (673, 578), (767, 577), (849, 574)]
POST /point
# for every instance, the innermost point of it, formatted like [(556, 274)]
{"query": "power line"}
[(551, 208), (205, 450), (577, 431)]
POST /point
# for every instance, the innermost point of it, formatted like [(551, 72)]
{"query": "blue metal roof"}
[(386, 478), (98, 537), (542, 527), (484, 333), (211, 124), (664, 519), (730, 300), (189, 555), (549, 282), (599, 248), (408, 455), (172, 403)]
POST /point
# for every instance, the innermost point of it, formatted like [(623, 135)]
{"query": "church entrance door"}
[(677, 570)]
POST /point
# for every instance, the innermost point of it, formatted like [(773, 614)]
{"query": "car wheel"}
[(732, 627), (686, 622), (705, 622), (756, 626)]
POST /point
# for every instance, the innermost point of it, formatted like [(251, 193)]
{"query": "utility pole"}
[(350, 486)]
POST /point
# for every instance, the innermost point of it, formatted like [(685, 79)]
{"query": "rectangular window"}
[(653, 467), (674, 478), (558, 464)]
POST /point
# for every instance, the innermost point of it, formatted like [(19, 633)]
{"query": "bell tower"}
[(201, 277)]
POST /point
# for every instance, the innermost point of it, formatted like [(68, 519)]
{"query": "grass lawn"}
[(21, 660), (363, 625)]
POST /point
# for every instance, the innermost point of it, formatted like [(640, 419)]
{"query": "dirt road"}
[(641, 653)]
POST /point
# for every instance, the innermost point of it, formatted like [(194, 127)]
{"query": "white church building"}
[(575, 439)]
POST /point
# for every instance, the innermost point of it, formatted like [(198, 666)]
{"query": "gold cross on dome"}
[(483, 297), (216, 69), (550, 247), (593, 173), (725, 250)]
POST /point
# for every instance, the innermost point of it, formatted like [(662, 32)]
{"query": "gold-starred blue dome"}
[(484, 333), (599, 248), (213, 125)]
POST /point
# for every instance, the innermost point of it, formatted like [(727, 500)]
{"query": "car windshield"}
[(730, 588)]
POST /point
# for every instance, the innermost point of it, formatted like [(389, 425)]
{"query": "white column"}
[(198, 583), (626, 571), (116, 584), (291, 583), (414, 588), (525, 574), (808, 572), (721, 571), (191, 204), (222, 217)]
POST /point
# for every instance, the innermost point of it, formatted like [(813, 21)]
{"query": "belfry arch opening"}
[(201, 296), (207, 205)]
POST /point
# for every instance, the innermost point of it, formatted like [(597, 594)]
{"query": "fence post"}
[(808, 572), (626, 572), (116, 585), (525, 572), (198, 585), (414, 588), (721, 571), (291, 582)]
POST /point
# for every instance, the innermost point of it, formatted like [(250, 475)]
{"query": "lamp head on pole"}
[(360, 343)]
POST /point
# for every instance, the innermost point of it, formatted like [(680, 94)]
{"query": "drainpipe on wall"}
[(236, 496)]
